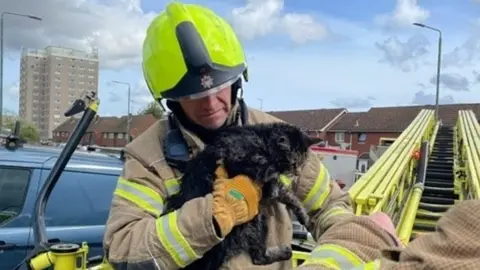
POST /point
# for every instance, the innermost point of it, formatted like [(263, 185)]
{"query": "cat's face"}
[(289, 146)]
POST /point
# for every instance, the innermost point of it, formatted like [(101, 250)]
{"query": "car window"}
[(13, 191), (80, 199)]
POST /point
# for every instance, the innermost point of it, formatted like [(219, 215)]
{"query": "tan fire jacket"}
[(358, 243), (138, 237)]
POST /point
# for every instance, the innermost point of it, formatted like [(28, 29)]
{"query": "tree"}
[(28, 131), (154, 109)]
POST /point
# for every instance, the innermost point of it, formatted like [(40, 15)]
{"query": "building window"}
[(363, 168), (339, 137), (362, 137)]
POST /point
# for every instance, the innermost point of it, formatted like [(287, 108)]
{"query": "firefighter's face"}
[(211, 111)]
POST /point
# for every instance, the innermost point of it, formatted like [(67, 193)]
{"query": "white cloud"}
[(303, 28), (354, 102), (117, 29), (453, 81), (10, 97), (12, 91), (259, 18), (465, 55), (404, 55), (421, 98), (405, 13)]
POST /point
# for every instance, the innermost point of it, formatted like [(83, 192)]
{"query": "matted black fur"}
[(262, 152)]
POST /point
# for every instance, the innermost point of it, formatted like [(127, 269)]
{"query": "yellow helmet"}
[(190, 52)]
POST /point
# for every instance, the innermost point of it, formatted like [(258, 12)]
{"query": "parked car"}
[(78, 206)]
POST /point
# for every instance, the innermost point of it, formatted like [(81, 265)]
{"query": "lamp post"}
[(2, 54), (128, 108), (261, 104), (437, 96)]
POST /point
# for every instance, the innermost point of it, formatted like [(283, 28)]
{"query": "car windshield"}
[(13, 187)]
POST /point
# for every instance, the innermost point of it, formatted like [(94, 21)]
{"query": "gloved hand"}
[(235, 200)]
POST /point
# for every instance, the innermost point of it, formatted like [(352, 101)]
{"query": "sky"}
[(301, 54)]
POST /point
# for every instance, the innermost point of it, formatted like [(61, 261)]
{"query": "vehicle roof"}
[(45, 157)]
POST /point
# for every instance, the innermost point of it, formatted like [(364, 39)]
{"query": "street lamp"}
[(438, 62), (1, 56), (261, 103), (128, 108)]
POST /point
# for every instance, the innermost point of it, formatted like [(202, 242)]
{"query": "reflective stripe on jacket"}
[(336, 257)]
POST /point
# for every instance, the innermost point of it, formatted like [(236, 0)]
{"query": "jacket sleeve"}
[(137, 236), (359, 243), (325, 202)]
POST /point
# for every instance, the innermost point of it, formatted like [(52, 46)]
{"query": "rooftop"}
[(318, 119), (376, 119), (396, 119), (61, 52)]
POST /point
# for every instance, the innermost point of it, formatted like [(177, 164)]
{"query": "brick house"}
[(361, 130), (109, 131), (337, 127)]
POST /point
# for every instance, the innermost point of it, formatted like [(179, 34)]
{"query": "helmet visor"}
[(207, 92)]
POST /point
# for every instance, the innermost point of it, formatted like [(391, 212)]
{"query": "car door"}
[(78, 208), (18, 189)]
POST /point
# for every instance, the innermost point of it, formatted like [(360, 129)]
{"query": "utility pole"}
[(2, 55)]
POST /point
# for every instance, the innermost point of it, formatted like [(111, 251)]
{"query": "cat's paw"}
[(272, 255), (280, 253), (304, 219)]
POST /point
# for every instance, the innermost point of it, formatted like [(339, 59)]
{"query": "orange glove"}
[(235, 200)]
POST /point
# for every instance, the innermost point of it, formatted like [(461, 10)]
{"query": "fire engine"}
[(341, 164)]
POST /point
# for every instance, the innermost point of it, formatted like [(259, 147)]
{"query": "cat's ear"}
[(306, 140)]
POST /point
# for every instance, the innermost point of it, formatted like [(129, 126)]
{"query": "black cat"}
[(263, 152)]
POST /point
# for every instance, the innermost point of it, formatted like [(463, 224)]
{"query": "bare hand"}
[(385, 222)]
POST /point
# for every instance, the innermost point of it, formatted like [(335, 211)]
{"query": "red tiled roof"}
[(377, 119), (308, 119), (396, 119)]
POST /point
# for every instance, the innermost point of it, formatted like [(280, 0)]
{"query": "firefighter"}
[(369, 242), (193, 59)]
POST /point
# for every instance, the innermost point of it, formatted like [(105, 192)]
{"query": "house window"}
[(362, 137), (339, 137)]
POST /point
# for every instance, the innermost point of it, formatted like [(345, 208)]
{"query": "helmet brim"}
[(205, 93), (213, 80)]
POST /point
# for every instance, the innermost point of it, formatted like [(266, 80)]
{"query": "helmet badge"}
[(206, 81)]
